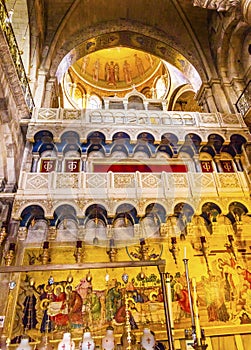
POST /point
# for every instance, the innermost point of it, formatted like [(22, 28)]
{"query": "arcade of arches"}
[(125, 160)]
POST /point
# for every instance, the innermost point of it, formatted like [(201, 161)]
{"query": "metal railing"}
[(243, 103), (6, 27)]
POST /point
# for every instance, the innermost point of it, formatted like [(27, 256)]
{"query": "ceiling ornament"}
[(219, 5)]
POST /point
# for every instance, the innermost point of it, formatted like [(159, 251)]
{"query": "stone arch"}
[(70, 137), (153, 218), (96, 213), (124, 221), (96, 137), (238, 141), (181, 217), (96, 222), (128, 212), (181, 99), (145, 38), (229, 64), (64, 212), (209, 212), (215, 141), (235, 211), (30, 214)]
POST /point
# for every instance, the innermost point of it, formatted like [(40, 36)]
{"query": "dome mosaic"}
[(117, 68)]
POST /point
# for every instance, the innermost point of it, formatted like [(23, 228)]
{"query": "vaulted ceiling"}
[(174, 30)]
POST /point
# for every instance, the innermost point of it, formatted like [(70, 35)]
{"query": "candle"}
[(185, 252)]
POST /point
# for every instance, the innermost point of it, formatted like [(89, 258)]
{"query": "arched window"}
[(96, 225), (94, 102), (66, 221), (161, 87), (150, 223)]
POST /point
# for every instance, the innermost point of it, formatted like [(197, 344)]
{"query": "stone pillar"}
[(83, 160), (27, 158), (60, 163), (73, 90), (237, 160), (219, 96), (247, 156), (230, 92), (217, 163), (197, 163), (50, 92), (11, 181), (40, 90), (206, 98), (164, 105), (238, 86), (35, 162), (87, 96)]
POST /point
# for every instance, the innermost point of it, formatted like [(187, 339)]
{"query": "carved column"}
[(206, 98)]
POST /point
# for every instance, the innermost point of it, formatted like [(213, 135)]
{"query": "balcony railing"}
[(243, 103), (7, 29), (133, 185), (144, 117)]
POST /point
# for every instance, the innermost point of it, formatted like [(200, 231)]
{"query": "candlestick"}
[(169, 298), (44, 257), (196, 313), (189, 292), (185, 252), (79, 253)]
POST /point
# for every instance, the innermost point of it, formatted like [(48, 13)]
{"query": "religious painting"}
[(54, 301), (57, 305), (117, 69)]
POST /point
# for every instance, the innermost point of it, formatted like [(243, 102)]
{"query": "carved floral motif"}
[(219, 5)]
